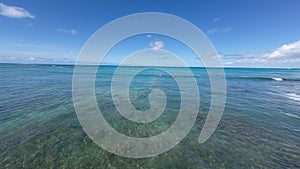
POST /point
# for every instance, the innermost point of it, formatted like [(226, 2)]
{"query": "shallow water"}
[(260, 127)]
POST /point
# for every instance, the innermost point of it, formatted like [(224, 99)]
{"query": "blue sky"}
[(244, 33)]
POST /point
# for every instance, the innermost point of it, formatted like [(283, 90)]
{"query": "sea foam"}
[(277, 78)]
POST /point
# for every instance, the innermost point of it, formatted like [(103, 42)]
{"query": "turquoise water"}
[(260, 127)]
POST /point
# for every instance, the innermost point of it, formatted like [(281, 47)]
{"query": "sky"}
[(244, 33)]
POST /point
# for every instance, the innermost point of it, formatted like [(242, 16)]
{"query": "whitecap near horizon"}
[(277, 79)]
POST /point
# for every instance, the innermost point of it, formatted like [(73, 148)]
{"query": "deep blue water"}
[(260, 127)]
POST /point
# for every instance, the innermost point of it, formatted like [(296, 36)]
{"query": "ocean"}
[(260, 126)]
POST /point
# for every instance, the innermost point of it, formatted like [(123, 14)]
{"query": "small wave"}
[(292, 115), (277, 78), (293, 96), (267, 78)]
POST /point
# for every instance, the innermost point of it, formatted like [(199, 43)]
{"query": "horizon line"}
[(72, 64)]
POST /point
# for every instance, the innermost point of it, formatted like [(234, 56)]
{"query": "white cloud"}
[(149, 57), (212, 56), (72, 31), (156, 45), (283, 56), (226, 29), (212, 31), (228, 63), (25, 53), (14, 12), (26, 46), (217, 19), (219, 30), (291, 51), (35, 53)]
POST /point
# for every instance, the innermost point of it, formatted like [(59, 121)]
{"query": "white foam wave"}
[(277, 78)]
